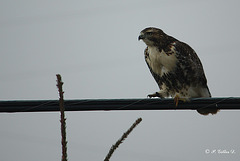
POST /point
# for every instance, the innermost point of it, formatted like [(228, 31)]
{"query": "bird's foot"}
[(177, 98), (156, 94)]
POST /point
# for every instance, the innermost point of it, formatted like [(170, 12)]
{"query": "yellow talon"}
[(177, 98)]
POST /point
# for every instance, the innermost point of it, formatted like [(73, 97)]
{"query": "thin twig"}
[(63, 123), (124, 136)]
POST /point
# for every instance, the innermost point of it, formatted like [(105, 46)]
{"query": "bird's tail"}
[(208, 110)]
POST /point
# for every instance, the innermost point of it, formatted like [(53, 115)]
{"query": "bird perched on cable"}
[(175, 67)]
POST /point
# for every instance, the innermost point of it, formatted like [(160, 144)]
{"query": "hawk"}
[(175, 67)]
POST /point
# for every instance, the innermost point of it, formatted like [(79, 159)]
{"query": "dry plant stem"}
[(63, 123), (124, 136)]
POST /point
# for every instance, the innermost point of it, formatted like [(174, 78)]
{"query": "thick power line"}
[(229, 103)]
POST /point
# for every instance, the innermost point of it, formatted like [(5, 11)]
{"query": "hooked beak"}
[(141, 37)]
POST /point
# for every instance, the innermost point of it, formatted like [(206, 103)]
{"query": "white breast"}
[(160, 62)]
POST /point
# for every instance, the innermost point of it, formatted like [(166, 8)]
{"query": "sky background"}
[(93, 45)]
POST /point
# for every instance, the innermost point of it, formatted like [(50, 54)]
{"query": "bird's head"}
[(152, 36)]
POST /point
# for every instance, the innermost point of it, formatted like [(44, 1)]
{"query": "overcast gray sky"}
[(93, 45)]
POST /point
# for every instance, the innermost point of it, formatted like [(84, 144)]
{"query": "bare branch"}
[(124, 136), (63, 123)]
